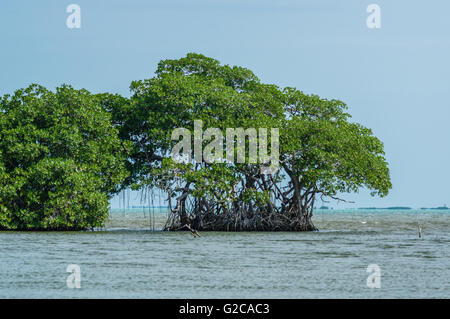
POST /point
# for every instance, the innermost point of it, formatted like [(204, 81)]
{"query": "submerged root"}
[(239, 222)]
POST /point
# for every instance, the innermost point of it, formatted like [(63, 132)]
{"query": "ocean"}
[(132, 258)]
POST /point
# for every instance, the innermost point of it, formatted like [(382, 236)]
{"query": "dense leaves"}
[(321, 151), (64, 153), (60, 159)]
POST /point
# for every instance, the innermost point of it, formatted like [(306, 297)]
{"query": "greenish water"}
[(128, 260)]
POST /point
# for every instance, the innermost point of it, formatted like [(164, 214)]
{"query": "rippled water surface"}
[(129, 260)]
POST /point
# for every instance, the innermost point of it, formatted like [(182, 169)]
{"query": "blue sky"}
[(395, 79)]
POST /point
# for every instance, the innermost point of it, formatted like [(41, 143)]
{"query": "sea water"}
[(133, 258)]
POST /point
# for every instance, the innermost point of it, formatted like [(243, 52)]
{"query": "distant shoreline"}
[(390, 208), (406, 208)]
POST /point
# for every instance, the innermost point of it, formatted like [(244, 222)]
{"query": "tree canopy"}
[(322, 153), (64, 154), (61, 159)]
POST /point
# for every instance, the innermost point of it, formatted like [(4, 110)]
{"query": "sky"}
[(395, 79)]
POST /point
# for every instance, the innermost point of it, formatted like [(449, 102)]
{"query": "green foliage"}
[(63, 154), (321, 151), (326, 152), (60, 159)]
